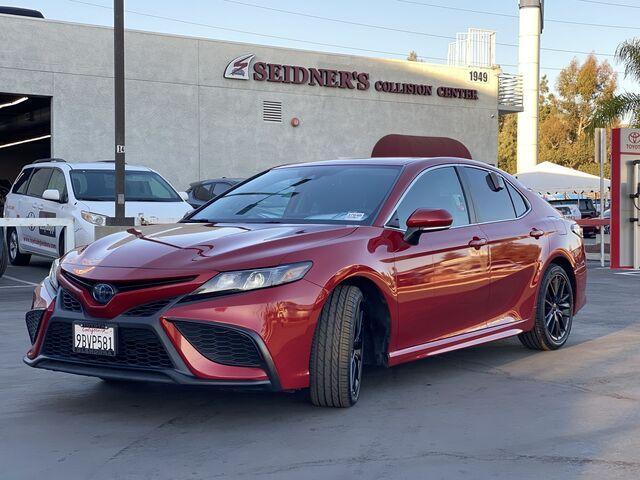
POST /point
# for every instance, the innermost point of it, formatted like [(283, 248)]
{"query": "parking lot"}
[(497, 411)]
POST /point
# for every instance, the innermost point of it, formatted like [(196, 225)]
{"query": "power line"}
[(610, 4), (245, 32), (339, 20), (458, 9), (499, 14), (400, 30), (288, 39)]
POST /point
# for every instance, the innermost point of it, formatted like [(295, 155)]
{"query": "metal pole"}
[(602, 133), (118, 77), (531, 23), (635, 225)]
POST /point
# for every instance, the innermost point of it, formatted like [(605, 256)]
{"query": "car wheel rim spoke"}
[(13, 246), (549, 320), (355, 373)]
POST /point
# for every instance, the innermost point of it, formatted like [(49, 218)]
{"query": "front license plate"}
[(93, 339)]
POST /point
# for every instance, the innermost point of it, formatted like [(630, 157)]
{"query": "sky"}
[(423, 23)]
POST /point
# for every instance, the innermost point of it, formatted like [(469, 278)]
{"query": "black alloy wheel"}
[(554, 312), (357, 355), (557, 307)]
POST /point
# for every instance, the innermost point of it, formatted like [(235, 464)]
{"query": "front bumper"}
[(141, 375), (279, 321)]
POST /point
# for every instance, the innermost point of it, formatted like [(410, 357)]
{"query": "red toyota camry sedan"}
[(303, 274)]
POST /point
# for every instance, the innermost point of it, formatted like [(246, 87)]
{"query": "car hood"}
[(201, 247)]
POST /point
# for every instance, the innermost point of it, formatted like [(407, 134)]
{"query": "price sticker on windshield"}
[(357, 216)]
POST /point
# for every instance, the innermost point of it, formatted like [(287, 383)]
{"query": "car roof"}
[(213, 180), (102, 165), (390, 161)]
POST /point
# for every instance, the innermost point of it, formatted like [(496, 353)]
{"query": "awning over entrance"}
[(416, 146)]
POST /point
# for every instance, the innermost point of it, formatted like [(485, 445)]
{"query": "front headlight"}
[(95, 218), (577, 229), (243, 280), (53, 273)]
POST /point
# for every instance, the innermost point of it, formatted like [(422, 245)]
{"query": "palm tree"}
[(624, 104)]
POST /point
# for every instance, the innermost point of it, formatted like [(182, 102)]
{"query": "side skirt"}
[(456, 343)]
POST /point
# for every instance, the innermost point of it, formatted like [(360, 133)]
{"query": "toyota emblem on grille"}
[(103, 292)]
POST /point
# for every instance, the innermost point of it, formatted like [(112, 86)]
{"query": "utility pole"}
[(531, 24), (600, 141), (118, 78)]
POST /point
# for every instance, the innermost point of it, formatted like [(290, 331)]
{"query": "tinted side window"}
[(518, 202), (490, 205), (219, 188), (39, 182), (57, 182), (439, 188), (587, 204), (23, 180), (201, 192)]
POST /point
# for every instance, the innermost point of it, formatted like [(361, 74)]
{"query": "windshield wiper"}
[(196, 220), (279, 192)]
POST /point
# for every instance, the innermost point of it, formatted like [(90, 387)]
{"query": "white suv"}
[(84, 192)]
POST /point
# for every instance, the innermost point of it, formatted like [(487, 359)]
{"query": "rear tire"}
[(335, 370), (4, 255), (554, 312), (13, 245)]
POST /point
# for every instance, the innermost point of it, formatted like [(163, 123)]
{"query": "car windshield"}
[(99, 185), (305, 194)]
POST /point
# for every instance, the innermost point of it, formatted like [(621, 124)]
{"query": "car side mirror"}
[(426, 220), (184, 196), (51, 194)]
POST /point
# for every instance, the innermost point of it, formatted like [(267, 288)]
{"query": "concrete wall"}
[(188, 122)]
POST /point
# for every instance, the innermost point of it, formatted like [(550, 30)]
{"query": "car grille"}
[(136, 347), (69, 302), (147, 309), (125, 286), (33, 319), (221, 344)]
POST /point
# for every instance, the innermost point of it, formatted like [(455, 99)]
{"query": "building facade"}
[(199, 108)]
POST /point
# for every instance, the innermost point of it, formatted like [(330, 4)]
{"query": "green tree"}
[(565, 117), (507, 142), (626, 104)]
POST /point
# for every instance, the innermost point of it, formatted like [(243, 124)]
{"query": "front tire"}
[(554, 312), (15, 257), (335, 369)]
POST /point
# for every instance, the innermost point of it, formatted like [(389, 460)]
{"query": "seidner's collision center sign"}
[(243, 68)]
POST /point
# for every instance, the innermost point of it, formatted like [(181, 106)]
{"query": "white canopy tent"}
[(550, 178)]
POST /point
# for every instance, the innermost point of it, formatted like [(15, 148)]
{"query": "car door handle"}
[(477, 242), (536, 233)]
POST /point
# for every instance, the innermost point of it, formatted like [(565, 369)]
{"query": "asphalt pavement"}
[(496, 411)]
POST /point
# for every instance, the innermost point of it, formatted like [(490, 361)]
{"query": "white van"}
[(84, 192)]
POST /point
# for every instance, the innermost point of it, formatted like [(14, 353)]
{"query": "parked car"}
[(587, 210), (203, 191), (279, 285), (83, 192), (5, 188), (596, 204), (570, 212)]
